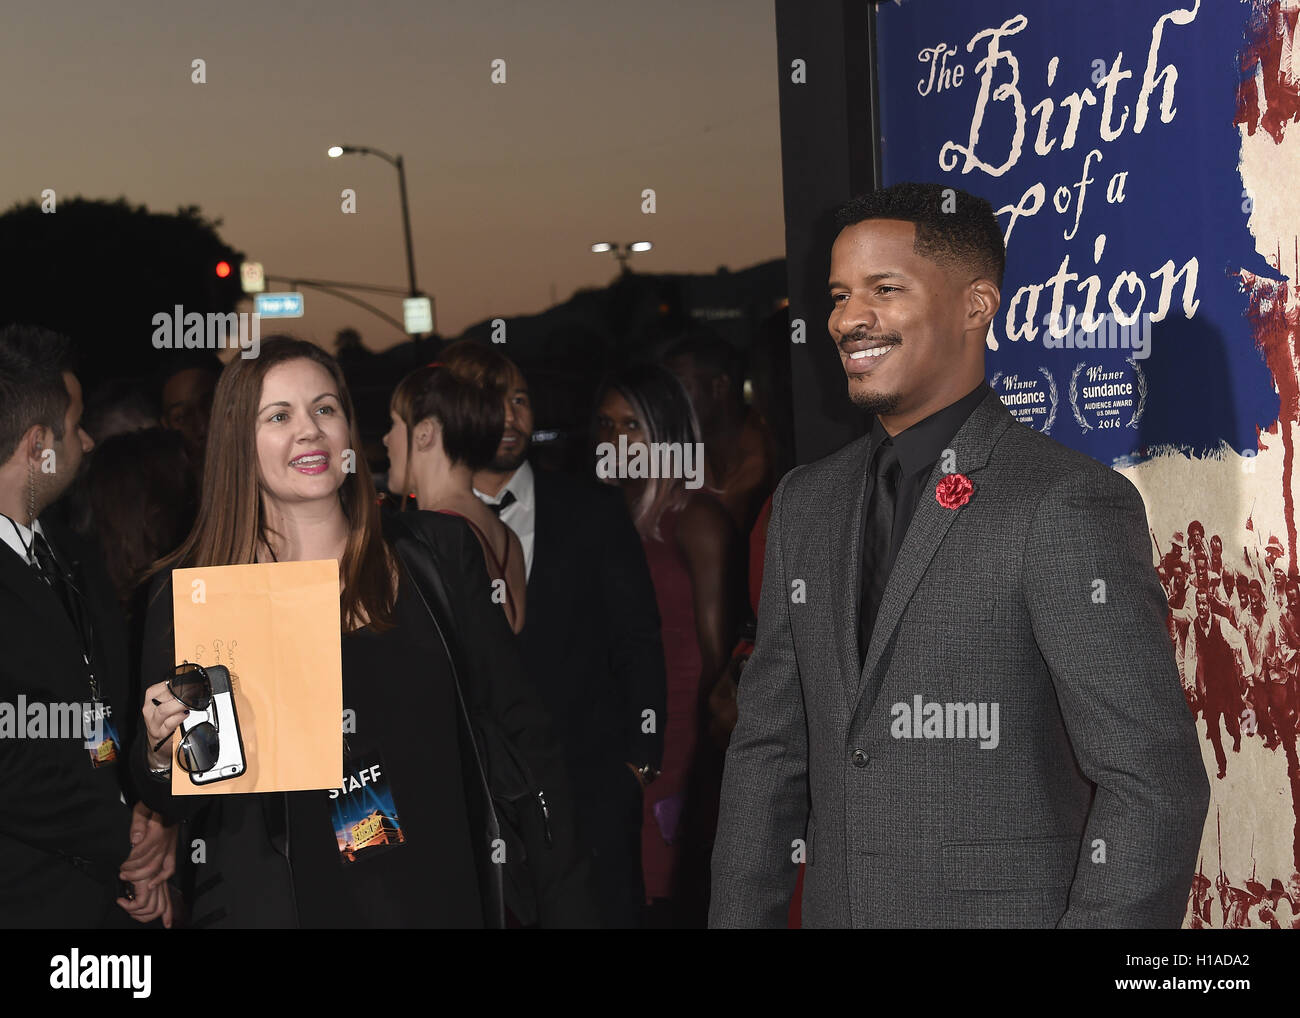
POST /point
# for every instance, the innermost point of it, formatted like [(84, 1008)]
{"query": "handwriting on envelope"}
[(275, 626)]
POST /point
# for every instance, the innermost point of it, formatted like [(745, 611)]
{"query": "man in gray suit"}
[(962, 709)]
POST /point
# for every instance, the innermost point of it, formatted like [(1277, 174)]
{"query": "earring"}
[(31, 494)]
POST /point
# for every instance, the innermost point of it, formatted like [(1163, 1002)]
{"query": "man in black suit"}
[(591, 638), (69, 839)]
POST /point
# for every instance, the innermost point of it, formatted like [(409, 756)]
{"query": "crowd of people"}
[(1235, 630), (539, 658), (1252, 906), (1236, 637)]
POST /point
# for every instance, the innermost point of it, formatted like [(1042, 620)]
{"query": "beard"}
[(505, 463), (875, 402)]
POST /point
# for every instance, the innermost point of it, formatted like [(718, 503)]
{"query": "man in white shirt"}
[(70, 843), (1212, 642), (591, 642)]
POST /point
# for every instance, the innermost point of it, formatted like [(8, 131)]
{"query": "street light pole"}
[(400, 164), (623, 252), (406, 225)]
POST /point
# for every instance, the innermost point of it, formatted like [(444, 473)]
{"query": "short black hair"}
[(117, 398), (952, 226), (472, 416), (711, 355), (176, 361), (32, 390)]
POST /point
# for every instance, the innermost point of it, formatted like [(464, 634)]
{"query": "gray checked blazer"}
[(1038, 595)]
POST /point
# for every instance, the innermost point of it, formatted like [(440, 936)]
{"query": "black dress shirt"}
[(919, 448)]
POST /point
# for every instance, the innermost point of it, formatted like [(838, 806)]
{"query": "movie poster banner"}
[(1143, 158)]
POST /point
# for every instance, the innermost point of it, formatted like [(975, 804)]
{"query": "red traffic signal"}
[(223, 270)]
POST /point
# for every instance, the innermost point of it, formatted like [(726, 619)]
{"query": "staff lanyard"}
[(82, 621)]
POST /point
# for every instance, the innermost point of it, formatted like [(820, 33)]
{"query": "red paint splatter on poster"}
[(1268, 94)]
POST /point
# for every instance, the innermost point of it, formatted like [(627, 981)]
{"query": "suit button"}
[(860, 758)]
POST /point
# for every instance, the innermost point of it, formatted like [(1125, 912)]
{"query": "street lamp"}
[(335, 151), (624, 253)]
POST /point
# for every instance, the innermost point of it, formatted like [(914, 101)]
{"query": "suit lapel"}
[(972, 445), (540, 596), (35, 595), (542, 523)]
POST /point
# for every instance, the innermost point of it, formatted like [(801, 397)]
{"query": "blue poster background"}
[(1204, 382)]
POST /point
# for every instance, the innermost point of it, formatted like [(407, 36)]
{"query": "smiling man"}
[(976, 569)]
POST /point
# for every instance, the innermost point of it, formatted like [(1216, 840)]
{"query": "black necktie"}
[(506, 500), (51, 574), (67, 593), (877, 536)]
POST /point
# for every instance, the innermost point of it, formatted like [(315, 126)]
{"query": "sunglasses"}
[(200, 746)]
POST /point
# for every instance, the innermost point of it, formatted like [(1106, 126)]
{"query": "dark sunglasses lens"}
[(190, 686), (199, 748)]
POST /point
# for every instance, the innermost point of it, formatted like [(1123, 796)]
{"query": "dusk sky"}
[(509, 183)]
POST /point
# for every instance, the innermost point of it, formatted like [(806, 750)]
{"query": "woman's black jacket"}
[(238, 845)]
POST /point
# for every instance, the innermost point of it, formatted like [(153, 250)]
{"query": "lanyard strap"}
[(75, 607)]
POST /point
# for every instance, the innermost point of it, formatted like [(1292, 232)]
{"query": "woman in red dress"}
[(689, 542)]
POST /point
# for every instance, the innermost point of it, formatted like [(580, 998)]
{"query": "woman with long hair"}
[(140, 500), (423, 651), (689, 541), (137, 500), (444, 428)]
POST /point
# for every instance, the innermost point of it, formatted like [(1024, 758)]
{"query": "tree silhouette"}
[(99, 271)]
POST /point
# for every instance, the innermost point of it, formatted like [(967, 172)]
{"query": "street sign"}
[(278, 305), (251, 277), (418, 313)]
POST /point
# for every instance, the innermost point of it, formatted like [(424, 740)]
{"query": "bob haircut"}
[(480, 364), (472, 416)]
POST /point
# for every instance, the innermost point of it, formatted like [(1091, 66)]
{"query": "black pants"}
[(1276, 701), (1229, 712), (609, 815), (1259, 699)]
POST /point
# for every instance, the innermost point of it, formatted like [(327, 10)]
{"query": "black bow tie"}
[(507, 499)]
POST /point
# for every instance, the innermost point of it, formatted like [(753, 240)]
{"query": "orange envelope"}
[(275, 626)]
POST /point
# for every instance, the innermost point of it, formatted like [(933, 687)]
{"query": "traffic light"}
[(222, 280)]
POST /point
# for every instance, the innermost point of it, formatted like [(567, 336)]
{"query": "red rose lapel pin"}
[(954, 491)]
